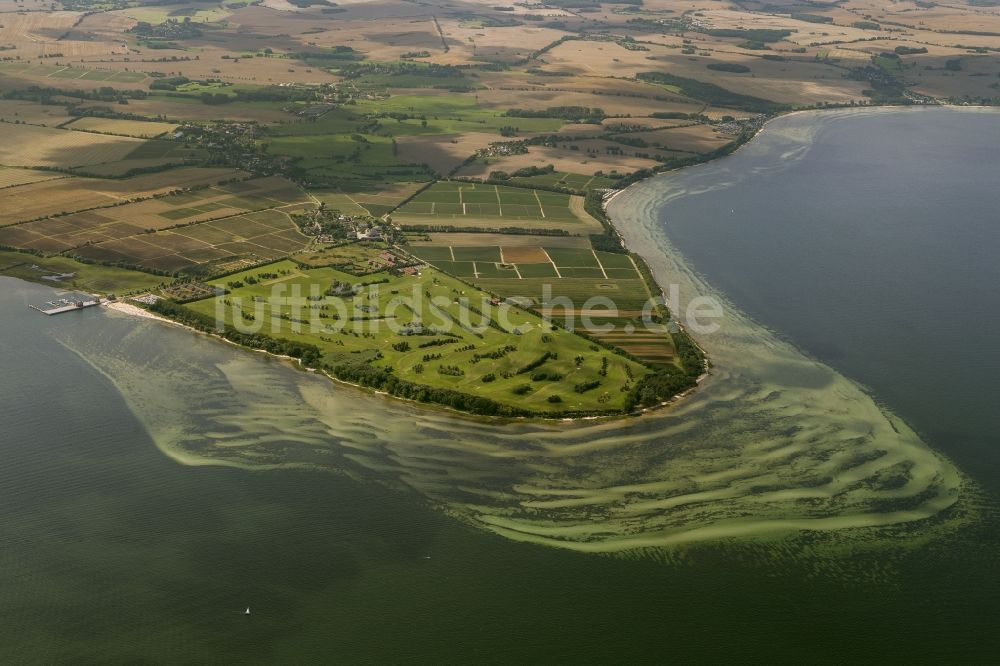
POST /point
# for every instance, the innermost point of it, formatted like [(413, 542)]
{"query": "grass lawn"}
[(422, 328), (93, 278)]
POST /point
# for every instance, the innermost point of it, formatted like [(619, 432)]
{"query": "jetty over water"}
[(67, 303)]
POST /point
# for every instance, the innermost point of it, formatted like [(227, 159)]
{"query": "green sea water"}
[(155, 483)]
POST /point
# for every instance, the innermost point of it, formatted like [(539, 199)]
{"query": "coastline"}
[(619, 227), (142, 313), (777, 443), (134, 310)]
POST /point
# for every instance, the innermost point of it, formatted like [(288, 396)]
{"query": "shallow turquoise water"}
[(875, 249)]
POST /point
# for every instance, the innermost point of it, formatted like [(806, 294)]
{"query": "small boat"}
[(247, 611)]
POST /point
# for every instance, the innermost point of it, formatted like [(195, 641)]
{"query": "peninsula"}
[(409, 197)]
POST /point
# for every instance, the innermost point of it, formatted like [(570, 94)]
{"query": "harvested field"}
[(563, 159), (172, 211), (470, 42), (124, 230), (443, 153), (523, 255), (69, 194), (652, 345), (12, 176), (693, 138), (179, 109), (375, 203), (15, 110), (134, 128), (252, 237), (791, 81), (33, 146)]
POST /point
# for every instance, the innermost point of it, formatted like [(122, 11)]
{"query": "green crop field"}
[(562, 262), (582, 272), (568, 257), (460, 268), (356, 161), (610, 260), (423, 327), (491, 254), (69, 274), (457, 203), (628, 295), (446, 114), (433, 253), (492, 270), (536, 270), (574, 181)]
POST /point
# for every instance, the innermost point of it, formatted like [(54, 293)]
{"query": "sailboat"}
[(247, 611)]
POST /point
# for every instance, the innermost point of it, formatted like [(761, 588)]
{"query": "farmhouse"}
[(370, 234)]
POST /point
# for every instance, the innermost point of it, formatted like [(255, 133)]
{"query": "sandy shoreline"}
[(136, 311), (722, 462), (617, 224)]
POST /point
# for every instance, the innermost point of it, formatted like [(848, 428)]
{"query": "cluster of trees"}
[(169, 83), (105, 112), (679, 115), (609, 241), (337, 53), (46, 95), (306, 4), (310, 355), (277, 94), (811, 18), (384, 380), (657, 387), (537, 363), (633, 141), (264, 94), (354, 71), (733, 67), (526, 172), (580, 114), (764, 35), (886, 87), (650, 390), (666, 382), (169, 29)]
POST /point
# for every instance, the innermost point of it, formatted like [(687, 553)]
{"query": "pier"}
[(67, 304)]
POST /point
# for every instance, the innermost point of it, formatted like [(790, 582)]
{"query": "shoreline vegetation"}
[(866, 473), (667, 387), (349, 172), (656, 390)]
